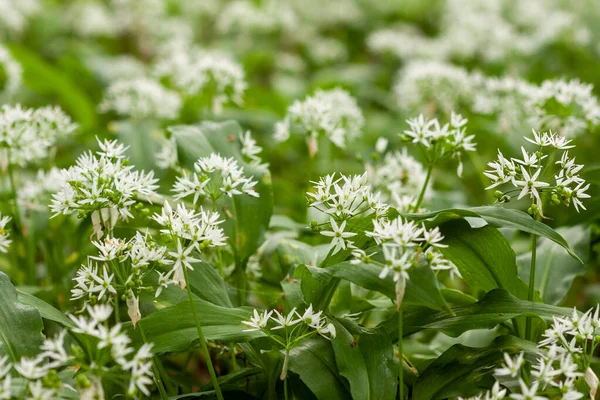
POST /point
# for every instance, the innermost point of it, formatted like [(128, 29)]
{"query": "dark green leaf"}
[(350, 362), (378, 353)]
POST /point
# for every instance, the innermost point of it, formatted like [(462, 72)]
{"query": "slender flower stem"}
[(209, 364), (400, 356), (528, 333), (424, 189), (156, 372), (285, 388)]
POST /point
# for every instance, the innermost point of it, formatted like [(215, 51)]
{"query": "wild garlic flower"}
[(440, 142), (15, 15), (342, 198), (531, 175), (121, 269), (289, 330), (243, 17), (29, 135), (432, 87), (11, 73), (403, 243), (213, 177), (210, 75), (4, 234), (406, 43), (191, 232), (91, 19), (399, 176), (103, 185), (35, 193), (141, 98), (250, 149), (333, 114), (566, 107)]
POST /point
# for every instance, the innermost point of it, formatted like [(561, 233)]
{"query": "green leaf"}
[(20, 325), (207, 284), (314, 362), (142, 138), (378, 353), (496, 216), (495, 308), (350, 362), (251, 215), (46, 310), (172, 329), (461, 368), (555, 270), (43, 78), (483, 256)]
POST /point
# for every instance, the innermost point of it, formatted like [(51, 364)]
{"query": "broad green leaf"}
[(46, 310), (496, 307), (555, 270), (496, 216), (483, 256), (350, 362), (142, 138), (314, 362), (378, 353), (314, 282), (172, 329), (20, 325), (462, 368), (250, 215), (207, 284), (45, 79)]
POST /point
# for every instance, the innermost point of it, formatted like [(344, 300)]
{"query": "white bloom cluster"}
[(250, 149), (104, 185), (399, 177), (11, 73), (440, 142), (530, 175), (192, 231), (15, 14), (214, 176), (34, 194), (167, 156), (211, 75), (4, 236), (135, 260), (117, 360), (245, 17), (141, 98), (28, 135), (333, 114), (405, 42), (432, 86), (567, 107), (91, 19), (342, 198), (118, 68)]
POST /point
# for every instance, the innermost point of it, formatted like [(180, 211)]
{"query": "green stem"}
[(233, 358), (209, 364), (285, 388), (156, 373), (528, 333), (400, 356), (424, 189)]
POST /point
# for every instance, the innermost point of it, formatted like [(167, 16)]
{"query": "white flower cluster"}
[(333, 114), (403, 242), (399, 177), (568, 107), (405, 42), (91, 19), (440, 142), (342, 198), (15, 14), (245, 17), (431, 86), (38, 378), (11, 73), (122, 270), (28, 135), (250, 149), (531, 175), (141, 98), (104, 185), (211, 75), (192, 231), (4, 235), (214, 176)]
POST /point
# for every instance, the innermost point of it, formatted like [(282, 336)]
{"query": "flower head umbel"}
[(333, 114), (213, 177), (537, 178), (103, 185), (440, 142), (4, 235)]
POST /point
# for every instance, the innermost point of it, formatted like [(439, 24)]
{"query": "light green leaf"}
[(350, 362), (20, 325), (378, 353)]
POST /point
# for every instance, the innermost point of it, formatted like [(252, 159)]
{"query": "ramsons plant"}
[(290, 200)]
